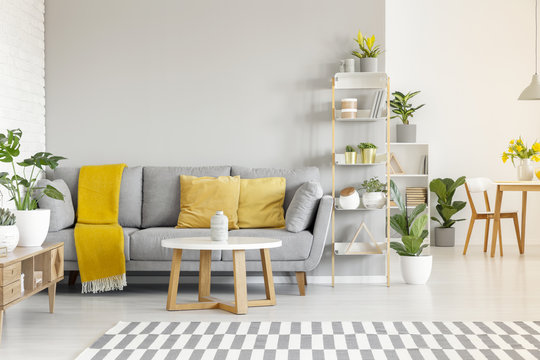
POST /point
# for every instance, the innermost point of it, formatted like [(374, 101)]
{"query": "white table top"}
[(234, 243)]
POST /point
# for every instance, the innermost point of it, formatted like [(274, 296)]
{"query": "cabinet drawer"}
[(10, 292), (10, 274)]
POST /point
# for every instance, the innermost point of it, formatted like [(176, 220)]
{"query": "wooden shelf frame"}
[(361, 81)]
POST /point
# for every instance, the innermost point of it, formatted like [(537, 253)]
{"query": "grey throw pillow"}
[(302, 209), (62, 212)]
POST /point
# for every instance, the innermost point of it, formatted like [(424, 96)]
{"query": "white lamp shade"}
[(531, 92)]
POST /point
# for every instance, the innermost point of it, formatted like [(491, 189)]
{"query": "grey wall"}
[(199, 82)]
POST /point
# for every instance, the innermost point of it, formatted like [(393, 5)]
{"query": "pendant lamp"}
[(532, 92)]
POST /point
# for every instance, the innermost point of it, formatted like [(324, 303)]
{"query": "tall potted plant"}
[(33, 223), (402, 109), (368, 52), (415, 267), (445, 235)]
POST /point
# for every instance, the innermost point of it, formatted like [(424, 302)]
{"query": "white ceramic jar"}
[(374, 200), (9, 237), (349, 198), (219, 227)]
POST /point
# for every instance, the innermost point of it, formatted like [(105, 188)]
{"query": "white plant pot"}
[(350, 202), (9, 237), (374, 200), (416, 270), (33, 226)]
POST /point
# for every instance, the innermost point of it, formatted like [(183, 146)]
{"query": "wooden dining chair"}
[(481, 185)]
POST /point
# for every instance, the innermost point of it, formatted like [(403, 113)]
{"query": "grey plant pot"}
[(368, 64), (445, 237), (406, 133)]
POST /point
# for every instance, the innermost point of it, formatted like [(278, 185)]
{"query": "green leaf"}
[(396, 196), (439, 188), (418, 226), (53, 193), (399, 224), (417, 211)]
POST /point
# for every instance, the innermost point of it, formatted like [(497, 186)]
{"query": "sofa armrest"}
[(320, 232)]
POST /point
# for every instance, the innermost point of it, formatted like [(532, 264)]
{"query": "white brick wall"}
[(22, 72)]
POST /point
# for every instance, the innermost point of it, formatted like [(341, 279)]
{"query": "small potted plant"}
[(518, 150), (367, 53), (415, 267), (405, 132), (374, 195), (445, 234), (9, 234), (369, 151), (32, 223), (350, 155)]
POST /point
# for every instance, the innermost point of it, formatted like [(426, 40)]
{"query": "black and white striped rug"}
[(318, 340)]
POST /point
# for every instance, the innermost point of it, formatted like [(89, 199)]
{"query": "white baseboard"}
[(321, 280)]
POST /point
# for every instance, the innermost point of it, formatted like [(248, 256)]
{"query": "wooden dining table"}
[(524, 187)]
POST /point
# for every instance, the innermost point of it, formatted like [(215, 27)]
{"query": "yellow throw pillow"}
[(201, 197), (261, 203)]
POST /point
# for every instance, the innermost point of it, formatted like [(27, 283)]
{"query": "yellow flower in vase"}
[(519, 148), (512, 142), (536, 147), (504, 158), (511, 149), (535, 158)]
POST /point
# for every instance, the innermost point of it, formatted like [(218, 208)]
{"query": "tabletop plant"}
[(22, 186), (349, 148), (367, 46), (446, 207), (7, 218), (373, 185), (402, 108), (411, 227), (518, 149), (364, 145)]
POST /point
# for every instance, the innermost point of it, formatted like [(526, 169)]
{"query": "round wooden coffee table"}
[(205, 245)]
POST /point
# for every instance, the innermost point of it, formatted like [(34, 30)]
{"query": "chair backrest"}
[(476, 185), (479, 184)]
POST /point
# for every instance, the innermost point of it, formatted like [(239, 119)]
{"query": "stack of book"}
[(378, 101), (416, 196)]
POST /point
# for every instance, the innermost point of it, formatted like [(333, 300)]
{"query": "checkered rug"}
[(318, 340)]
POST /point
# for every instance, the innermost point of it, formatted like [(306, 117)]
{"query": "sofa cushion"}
[(130, 192), (161, 192), (201, 197), (146, 244), (62, 211), (294, 177), (295, 246), (261, 203), (70, 253), (303, 207)]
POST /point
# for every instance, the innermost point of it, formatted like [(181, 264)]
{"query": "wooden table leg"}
[(205, 274), (496, 219), (240, 285), (173, 280), (523, 220), (268, 277), (52, 295)]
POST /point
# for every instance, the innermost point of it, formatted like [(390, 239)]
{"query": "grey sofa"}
[(148, 213)]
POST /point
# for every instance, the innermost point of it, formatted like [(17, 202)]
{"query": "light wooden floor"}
[(474, 287)]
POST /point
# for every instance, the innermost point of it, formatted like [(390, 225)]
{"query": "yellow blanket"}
[(99, 239)]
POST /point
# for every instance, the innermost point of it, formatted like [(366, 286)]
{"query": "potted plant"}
[(415, 267), (350, 155), (368, 52), (369, 151), (9, 234), (405, 132), (33, 223), (374, 195), (445, 189), (518, 149)]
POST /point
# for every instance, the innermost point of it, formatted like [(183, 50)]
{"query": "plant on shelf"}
[(9, 234), (367, 52), (415, 267), (369, 151), (374, 195), (350, 155), (22, 185), (402, 109), (517, 149), (446, 207)]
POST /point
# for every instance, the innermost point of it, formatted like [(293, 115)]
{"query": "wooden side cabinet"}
[(27, 271)]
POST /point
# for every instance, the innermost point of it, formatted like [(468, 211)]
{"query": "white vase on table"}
[(525, 170)]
